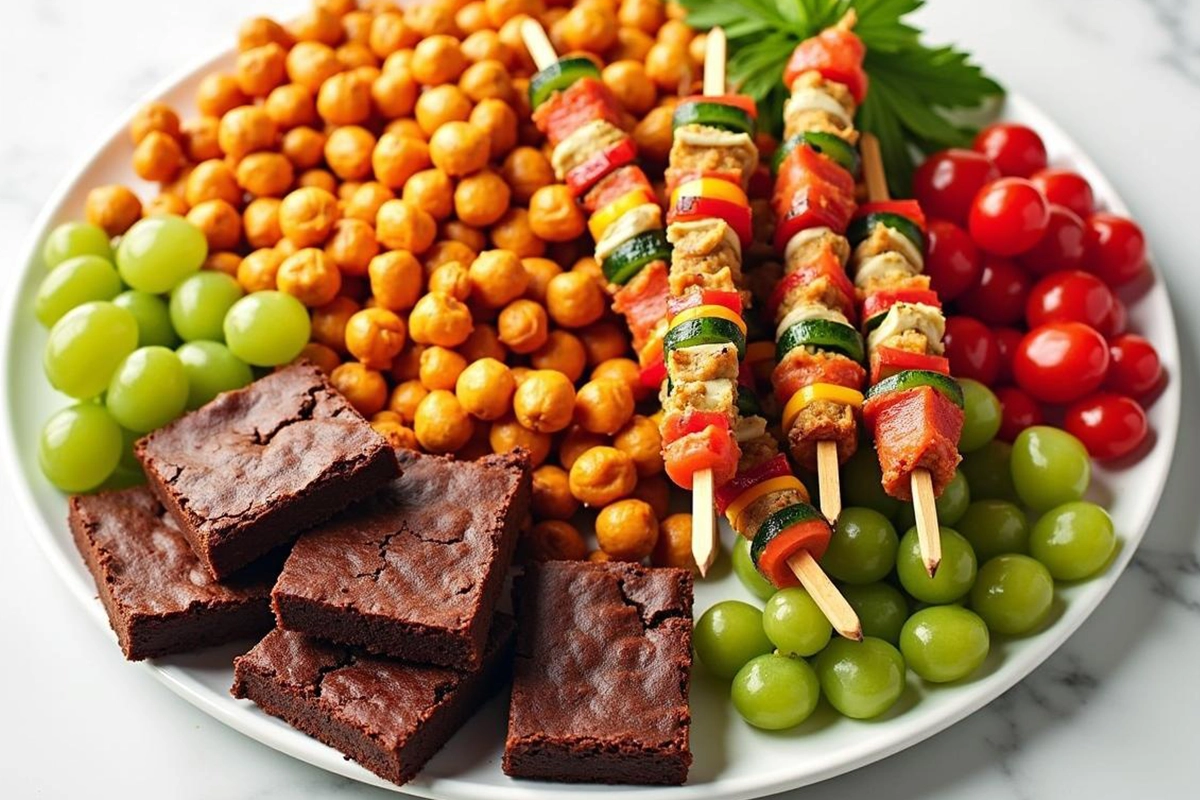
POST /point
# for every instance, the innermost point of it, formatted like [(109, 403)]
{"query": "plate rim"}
[(264, 729)]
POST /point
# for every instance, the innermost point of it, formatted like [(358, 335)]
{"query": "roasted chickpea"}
[(407, 365), (575, 442), (441, 424), (319, 25), (219, 222), (472, 17), (265, 174), (483, 342), (165, 204), (553, 540), (485, 389), (604, 340), (499, 124), (307, 215), (460, 231), (554, 215), (441, 104), (526, 170), (674, 545), (261, 69), (389, 33), (402, 225), (446, 252), (397, 158), (326, 358), (574, 299), (375, 336), (245, 130), (631, 86), (656, 491), (329, 322), (562, 352), (552, 498), (501, 11), (260, 222), (653, 133), (625, 370), (481, 199), (452, 279), (344, 99), (646, 15), (627, 529), (429, 19), (540, 271), (356, 57), (437, 59), (303, 146), (603, 406), (520, 374), (487, 79), (223, 261), (218, 93), (154, 117), (513, 232), (544, 401), (363, 388), (199, 139), (318, 179), (394, 94), (398, 436), (641, 440), (257, 31), (510, 35), (507, 435), (348, 152), (632, 45), (523, 326), (675, 31), (405, 398), (395, 279), (258, 270), (157, 157), (589, 266), (697, 48), (497, 277), (482, 45), (357, 25), (459, 148), (309, 276), (114, 208), (364, 204), (431, 190), (589, 27), (352, 246), (438, 318), (602, 475), (440, 368), (406, 127), (668, 65)]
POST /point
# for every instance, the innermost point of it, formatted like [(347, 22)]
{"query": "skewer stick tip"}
[(828, 481), (929, 536), (538, 43), (827, 597), (704, 528), (714, 62)]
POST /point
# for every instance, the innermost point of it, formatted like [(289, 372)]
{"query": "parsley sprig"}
[(913, 85)]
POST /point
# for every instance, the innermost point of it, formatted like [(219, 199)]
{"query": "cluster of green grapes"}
[(1014, 523), (139, 334)]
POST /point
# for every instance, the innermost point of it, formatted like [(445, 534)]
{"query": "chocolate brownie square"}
[(158, 596), (601, 674), (414, 572), (387, 715), (254, 467)]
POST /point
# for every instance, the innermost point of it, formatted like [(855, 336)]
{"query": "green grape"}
[(795, 623), (1013, 594), (158, 252), (861, 679), (72, 283), (944, 643), (954, 575), (73, 239), (199, 304), (129, 459), (862, 483), (981, 416), (728, 635), (989, 473), (881, 609), (153, 319), (1074, 540), (1049, 467), (211, 369), (85, 346), (994, 527), (774, 692), (951, 505), (148, 389), (79, 447), (266, 329), (747, 573), (862, 548)]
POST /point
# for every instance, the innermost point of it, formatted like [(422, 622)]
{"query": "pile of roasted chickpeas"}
[(379, 164)]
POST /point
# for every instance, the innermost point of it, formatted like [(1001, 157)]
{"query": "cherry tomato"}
[(1116, 248), (1117, 322), (1018, 412), (1016, 149), (999, 296), (947, 182), (1109, 425), (1135, 368), (1061, 246), (1073, 296), (1007, 340), (1008, 216), (952, 261), (1061, 361), (972, 350), (1066, 188)]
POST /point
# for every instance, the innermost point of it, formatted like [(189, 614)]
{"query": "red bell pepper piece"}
[(776, 467), (712, 448), (618, 182), (835, 53), (804, 164), (692, 207), (583, 177), (585, 100), (676, 426), (705, 297), (887, 361), (884, 299), (828, 266), (809, 209), (654, 373), (909, 209), (736, 100)]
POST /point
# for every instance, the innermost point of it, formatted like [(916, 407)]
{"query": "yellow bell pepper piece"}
[(818, 391), (701, 312), (612, 212), (714, 188), (743, 500)]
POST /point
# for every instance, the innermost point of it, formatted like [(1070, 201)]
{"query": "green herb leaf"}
[(912, 84)]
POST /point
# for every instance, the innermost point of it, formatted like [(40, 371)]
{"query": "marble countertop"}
[(1112, 714)]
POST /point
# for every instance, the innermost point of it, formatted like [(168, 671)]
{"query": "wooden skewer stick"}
[(538, 43), (928, 535), (827, 597), (828, 480)]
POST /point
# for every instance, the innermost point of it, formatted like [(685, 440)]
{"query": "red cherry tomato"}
[(1018, 412), (1008, 216), (947, 182), (1061, 361), (1116, 248), (1016, 149), (1066, 188), (1073, 296), (972, 350), (1109, 425), (1061, 246), (1007, 340), (1135, 369), (1117, 322), (952, 261), (999, 296)]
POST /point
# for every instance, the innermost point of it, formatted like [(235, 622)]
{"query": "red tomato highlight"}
[(1073, 296), (1116, 248), (952, 261), (1065, 188), (1016, 149), (1061, 362), (1135, 367), (972, 350), (947, 182), (1109, 425), (999, 296), (1008, 217), (1061, 246), (1018, 412)]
